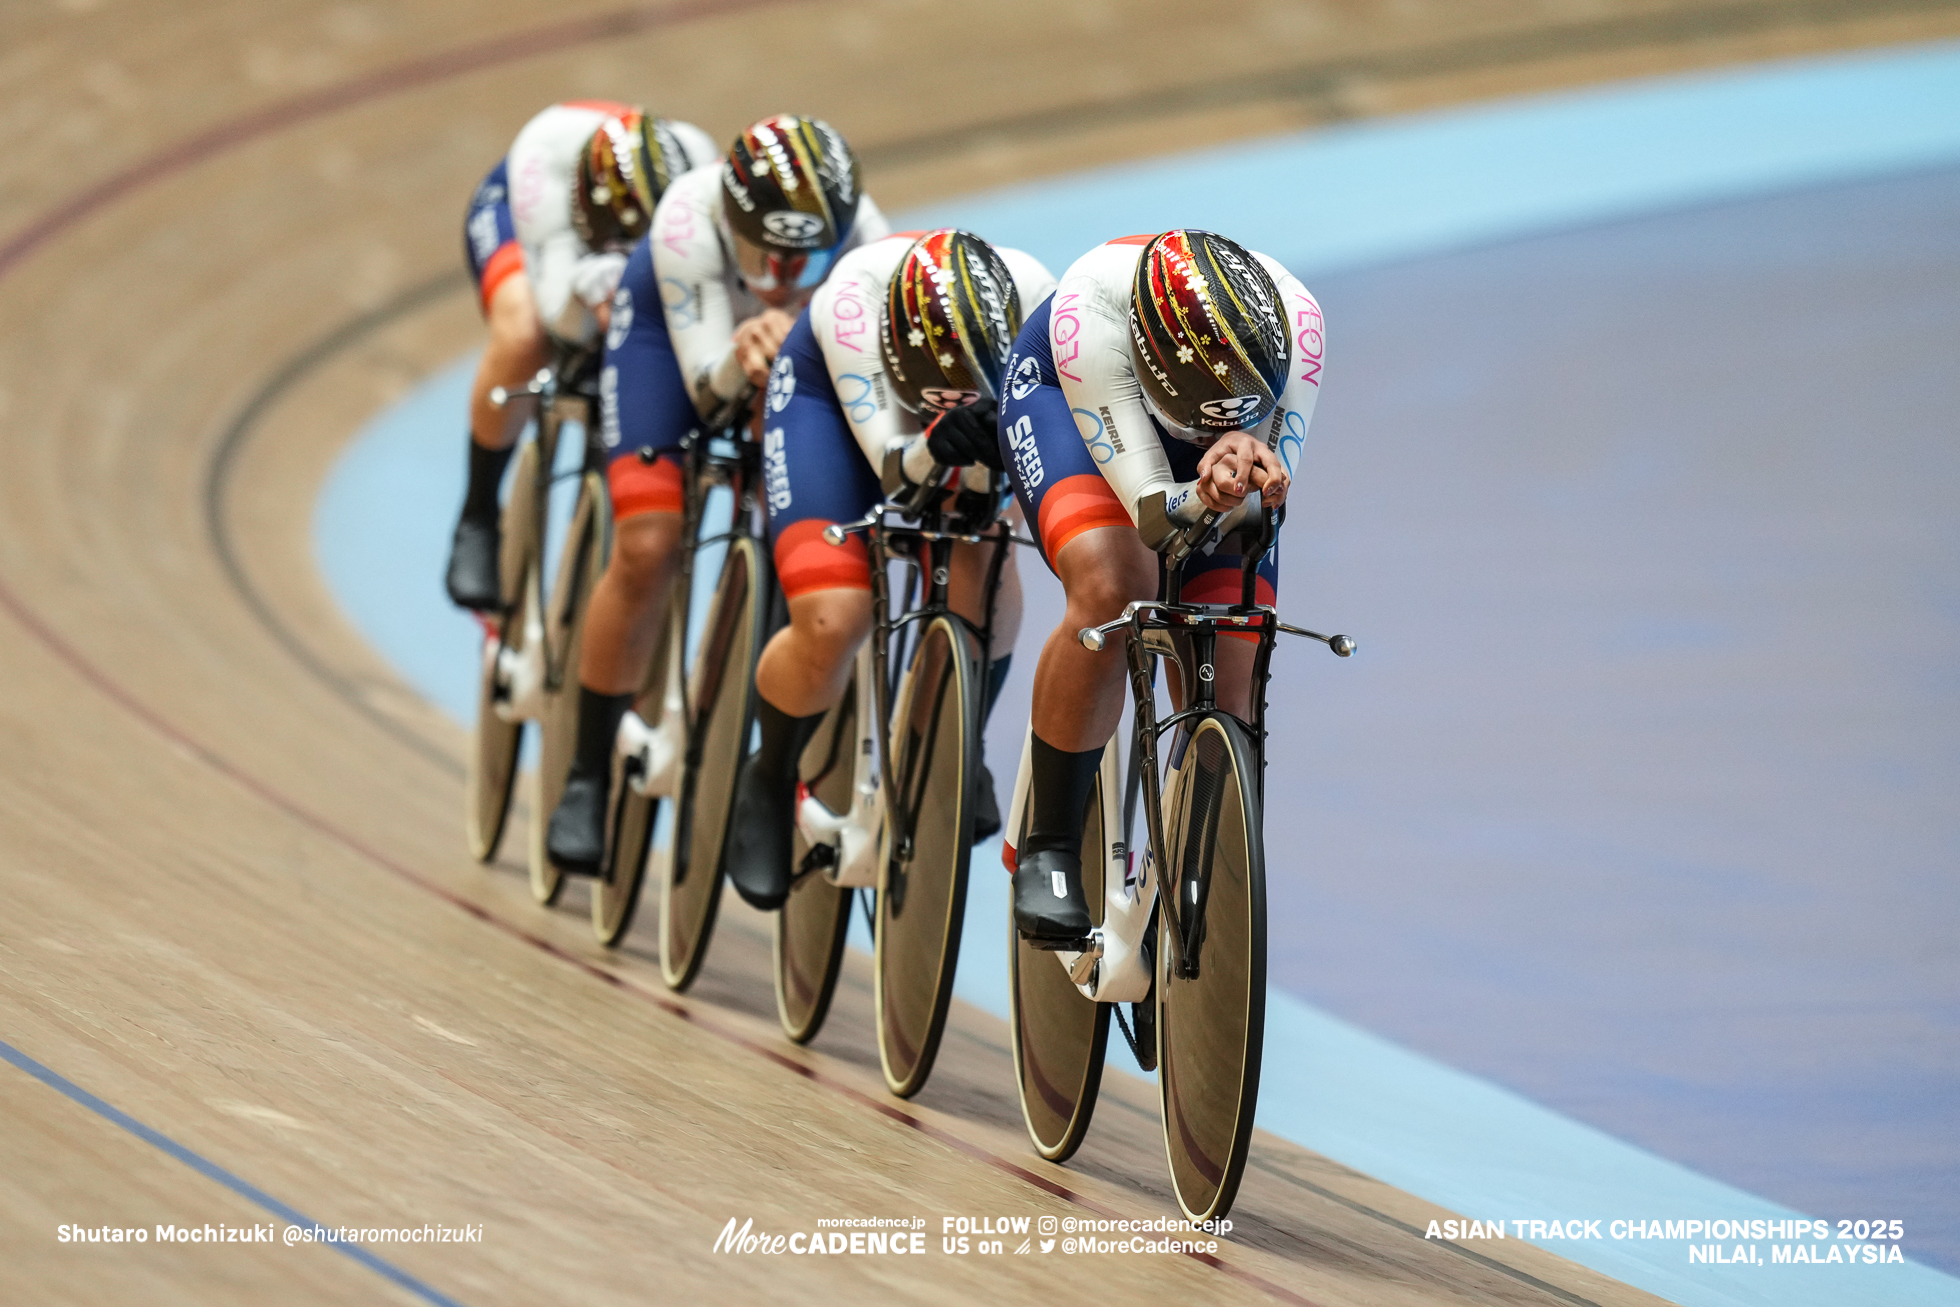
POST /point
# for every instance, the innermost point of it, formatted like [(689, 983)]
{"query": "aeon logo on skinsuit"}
[(1237, 409), (793, 225), (782, 384), (1026, 376)]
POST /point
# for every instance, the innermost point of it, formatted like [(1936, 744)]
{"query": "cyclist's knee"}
[(1105, 569), (514, 325), (831, 624), (643, 548)]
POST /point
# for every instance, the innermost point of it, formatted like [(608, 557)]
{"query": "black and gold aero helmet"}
[(622, 172), (1207, 333), (790, 194), (951, 315)]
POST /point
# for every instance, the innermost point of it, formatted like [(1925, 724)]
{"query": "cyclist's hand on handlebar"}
[(1237, 465), (966, 435), (756, 343)]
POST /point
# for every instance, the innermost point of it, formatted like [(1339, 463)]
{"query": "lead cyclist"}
[(545, 237), (705, 302), (902, 350), (1181, 363)]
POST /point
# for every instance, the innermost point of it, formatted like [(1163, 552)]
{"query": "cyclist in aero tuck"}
[(545, 237), (1181, 363), (703, 306), (903, 349)]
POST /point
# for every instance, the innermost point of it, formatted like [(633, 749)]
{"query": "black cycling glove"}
[(966, 435)]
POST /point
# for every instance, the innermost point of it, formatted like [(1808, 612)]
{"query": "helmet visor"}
[(770, 270)]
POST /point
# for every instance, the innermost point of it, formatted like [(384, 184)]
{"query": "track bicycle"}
[(889, 782), (529, 670), (1181, 937), (681, 745)]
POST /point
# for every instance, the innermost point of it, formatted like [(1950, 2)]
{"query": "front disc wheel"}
[(722, 696), (815, 918), (934, 756), (1211, 1025)]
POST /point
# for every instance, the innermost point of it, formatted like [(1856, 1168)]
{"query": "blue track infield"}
[(1637, 493)]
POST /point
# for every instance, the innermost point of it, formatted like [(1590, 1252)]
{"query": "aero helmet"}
[(1206, 333), (622, 172), (790, 194), (951, 315)]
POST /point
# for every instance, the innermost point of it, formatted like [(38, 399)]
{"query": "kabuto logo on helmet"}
[(941, 400), (793, 225), (1235, 410)]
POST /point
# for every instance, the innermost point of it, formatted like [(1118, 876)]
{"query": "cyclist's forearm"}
[(720, 385)]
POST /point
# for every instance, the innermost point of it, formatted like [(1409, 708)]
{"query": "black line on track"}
[(217, 480), (1323, 85)]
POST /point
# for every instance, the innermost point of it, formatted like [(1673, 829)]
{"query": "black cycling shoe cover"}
[(576, 839), (761, 837), (762, 828), (474, 580), (986, 807), (1049, 906)]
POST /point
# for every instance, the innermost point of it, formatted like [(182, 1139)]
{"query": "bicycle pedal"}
[(1082, 945)]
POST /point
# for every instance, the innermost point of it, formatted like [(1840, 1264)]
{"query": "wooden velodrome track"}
[(236, 902)]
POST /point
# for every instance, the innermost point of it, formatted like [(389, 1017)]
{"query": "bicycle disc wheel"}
[(812, 923), (1060, 1036), (934, 756), (635, 817), (579, 565), (722, 696), (1211, 1026), (492, 768)]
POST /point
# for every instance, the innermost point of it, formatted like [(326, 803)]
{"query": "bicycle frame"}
[(845, 846), (525, 671), (655, 753), (1117, 966)]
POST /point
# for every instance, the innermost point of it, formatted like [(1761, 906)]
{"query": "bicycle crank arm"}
[(856, 861), (655, 756), (1083, 969), (520, 676)]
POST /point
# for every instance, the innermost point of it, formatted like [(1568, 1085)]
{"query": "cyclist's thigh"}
[(813, 473), (490, 237), (1054, 472), (644, 408)]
